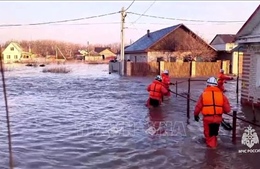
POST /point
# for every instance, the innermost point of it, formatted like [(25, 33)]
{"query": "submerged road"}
[(88, 119)]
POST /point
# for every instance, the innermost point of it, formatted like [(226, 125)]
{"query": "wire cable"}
[(61, 21), (144, 12), (130, 5), (186, 20)]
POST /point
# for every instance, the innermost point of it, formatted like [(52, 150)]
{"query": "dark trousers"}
[(213, 129), (154, 102)]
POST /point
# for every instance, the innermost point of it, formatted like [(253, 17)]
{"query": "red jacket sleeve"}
[(164, 90), (199, 106), (226, 105), (224, 77), (148, 88)]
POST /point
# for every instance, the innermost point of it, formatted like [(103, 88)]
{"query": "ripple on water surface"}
[(90, 119)]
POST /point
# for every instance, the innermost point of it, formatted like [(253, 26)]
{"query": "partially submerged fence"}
[(176, 69), (234, 116)]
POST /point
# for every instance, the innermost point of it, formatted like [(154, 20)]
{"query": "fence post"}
[(234, 126), (159, 67), (176, 88), (188, 100)]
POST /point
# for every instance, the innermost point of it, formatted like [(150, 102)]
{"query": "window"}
[(172, 59), (12, 48), (15, 57), (8, 57), (258, 72)]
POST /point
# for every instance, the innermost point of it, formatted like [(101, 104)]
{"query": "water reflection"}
[(89, 119), (156, 121)]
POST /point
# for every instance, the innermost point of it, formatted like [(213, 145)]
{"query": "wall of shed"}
[(250, 92)]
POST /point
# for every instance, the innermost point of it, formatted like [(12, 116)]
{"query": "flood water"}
[(89, 119)]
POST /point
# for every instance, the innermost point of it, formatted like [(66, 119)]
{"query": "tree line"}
[(49, 47)]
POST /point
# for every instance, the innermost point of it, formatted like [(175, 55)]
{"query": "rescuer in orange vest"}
[(166, 81), (222, 79), (156, 91), (212, 104)]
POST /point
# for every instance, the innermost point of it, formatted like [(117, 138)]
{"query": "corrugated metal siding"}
[(245, 76), (249, 91)]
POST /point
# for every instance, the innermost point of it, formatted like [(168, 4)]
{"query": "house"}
[(224, 44), (169, 44), (105, 52), (80, 54), (93, 56), (15, 53), (248, 39)]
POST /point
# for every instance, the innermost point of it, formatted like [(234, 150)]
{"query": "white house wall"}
[(11, 56), (230, 46), (137, 57), (152, 56)]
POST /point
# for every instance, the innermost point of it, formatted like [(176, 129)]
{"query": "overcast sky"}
[(107, 29)]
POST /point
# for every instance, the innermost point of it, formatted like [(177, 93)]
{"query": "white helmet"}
[(166, 72), (221, 71), (158, 77), (212, 81)]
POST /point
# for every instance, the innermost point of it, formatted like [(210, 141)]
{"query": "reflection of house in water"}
[(15, 53)]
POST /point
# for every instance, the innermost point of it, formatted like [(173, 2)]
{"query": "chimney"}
[(148, 33)]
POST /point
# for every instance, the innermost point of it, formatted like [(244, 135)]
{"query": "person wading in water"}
[(212, 104), (156, 91)]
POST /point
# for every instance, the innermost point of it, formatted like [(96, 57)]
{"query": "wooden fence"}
[(176, 69)]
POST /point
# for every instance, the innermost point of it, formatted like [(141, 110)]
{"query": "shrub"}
[(56, 70)]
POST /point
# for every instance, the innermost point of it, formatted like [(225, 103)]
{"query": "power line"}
[(130, 5), (187, 20), (61, 21), (163, 23), (144, 12)]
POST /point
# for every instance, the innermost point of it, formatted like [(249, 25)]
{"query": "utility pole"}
[(122, 53)]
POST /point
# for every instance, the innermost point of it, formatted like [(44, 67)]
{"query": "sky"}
[(105, 30)]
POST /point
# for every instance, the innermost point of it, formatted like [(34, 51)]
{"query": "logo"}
[(249, 138)]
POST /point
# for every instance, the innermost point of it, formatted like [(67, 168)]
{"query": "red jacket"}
[(222, 78), (156, 90), (199, 105), (166, 80)]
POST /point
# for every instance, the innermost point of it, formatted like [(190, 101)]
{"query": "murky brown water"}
[(88, 119)]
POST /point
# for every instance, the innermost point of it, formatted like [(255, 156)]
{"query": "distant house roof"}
[(17, 46), (145, 42), (100, 49), (225, 38), (250, 24)]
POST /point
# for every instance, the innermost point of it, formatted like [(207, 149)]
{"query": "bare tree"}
[(48, 47), (184, 44)]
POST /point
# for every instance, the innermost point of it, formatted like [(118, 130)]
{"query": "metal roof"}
[(145, 42)]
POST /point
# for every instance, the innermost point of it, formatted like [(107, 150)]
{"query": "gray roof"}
[(145, 42), (239, 48)]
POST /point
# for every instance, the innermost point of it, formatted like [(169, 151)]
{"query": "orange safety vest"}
[(213, 101), (156, 90)]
